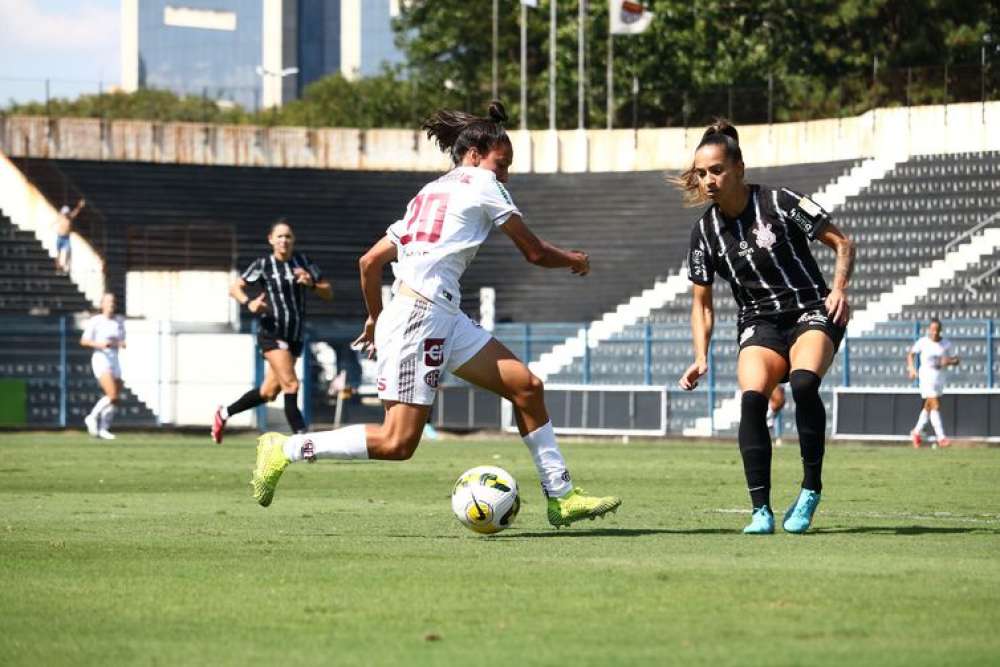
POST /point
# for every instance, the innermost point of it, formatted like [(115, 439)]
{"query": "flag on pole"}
[(628, 18)]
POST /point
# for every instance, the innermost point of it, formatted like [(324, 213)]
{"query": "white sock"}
[(549, 461), (345, 443), (104, 421), (224, 413), (936, 423), (98, 408), (921, 421)]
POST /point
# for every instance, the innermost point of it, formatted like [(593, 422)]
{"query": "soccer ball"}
[(485, 499)]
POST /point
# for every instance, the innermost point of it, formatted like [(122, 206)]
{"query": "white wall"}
[(167, 295), (183, 377)]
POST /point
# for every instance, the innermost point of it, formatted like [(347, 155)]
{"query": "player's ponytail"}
[(457, 131), (720, 133)]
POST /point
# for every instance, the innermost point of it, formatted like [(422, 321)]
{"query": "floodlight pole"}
[(496, 68), (581, 69)]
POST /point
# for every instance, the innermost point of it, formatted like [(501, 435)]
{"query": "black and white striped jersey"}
[(286, 299), (764, 253)]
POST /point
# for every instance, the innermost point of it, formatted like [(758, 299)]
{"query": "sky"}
[(73, 43)]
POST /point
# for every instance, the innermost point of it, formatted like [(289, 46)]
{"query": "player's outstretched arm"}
[(542, 253), (702, 324)]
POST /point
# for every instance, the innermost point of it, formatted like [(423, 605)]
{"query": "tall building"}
[(256, 53)]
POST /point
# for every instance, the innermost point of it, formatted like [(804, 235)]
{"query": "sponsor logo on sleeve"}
[(433, 352), (810, 207), (432, 378), (380, 385)]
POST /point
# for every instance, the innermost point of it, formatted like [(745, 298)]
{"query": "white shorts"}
[(931, 387), (101, 365), (416, 341)]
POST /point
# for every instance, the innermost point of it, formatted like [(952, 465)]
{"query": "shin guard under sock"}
[(755, 447)]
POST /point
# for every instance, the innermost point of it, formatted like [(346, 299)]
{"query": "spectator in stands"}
[(64, 227), (283, 278), (105, 334), (422, 333), (935, 356), (790, 323)]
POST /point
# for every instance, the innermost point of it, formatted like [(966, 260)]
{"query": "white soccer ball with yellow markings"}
[(485, 499)]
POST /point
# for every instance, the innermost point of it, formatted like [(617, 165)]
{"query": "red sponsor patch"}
[(433, 378), (380, 385), (433, 351)]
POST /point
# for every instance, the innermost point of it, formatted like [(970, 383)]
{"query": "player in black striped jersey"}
[(283, 278), (790, 323)]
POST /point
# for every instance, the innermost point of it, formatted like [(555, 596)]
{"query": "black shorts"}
[(779, 332), (267, 342)]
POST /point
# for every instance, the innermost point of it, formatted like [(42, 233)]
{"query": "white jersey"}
[(443, 228), (101, 329), (931, 353)]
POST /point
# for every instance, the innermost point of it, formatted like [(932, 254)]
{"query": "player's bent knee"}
[(290, 387), (399, 448), (528, 391), (805, 384)]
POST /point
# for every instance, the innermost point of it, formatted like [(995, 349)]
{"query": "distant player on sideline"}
[(935, 357), (790, 324), (422, 333), (283, 276), (775, 404), (105, 334)]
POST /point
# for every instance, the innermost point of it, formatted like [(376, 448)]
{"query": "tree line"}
[(753, 60)]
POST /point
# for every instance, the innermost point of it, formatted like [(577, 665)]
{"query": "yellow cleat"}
[(575, 506), (271, 462)]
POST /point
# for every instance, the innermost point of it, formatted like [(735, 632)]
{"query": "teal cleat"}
[(799, 516), (761, 522)]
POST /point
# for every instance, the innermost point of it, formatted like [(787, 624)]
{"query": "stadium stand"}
[(629, 220), (29, 283), (901, 223), (30, 350)]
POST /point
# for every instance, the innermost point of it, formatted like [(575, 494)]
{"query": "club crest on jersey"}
[(433, 351), (747, 334), (765, 237)]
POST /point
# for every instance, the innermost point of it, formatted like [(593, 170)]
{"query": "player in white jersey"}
[(422, 333), (935, 356), (105, 334)]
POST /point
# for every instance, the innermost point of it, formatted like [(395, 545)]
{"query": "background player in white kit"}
[(935, 357), (422, 333), (105, 334)]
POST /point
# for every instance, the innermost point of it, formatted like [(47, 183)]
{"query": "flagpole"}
[(552, 64), (581, 69), (524, 67), (611, 76), (496, 68)]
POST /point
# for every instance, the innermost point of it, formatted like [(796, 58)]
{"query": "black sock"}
[(755, 447), (810, 418), (251, 399), (292, 414)]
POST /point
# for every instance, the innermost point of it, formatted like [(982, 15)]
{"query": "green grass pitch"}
[(150, 550)]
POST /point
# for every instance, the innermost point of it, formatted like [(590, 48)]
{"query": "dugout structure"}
[(888, 414)]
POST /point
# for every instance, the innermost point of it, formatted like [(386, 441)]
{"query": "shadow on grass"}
[(905, 530), (616, 532)]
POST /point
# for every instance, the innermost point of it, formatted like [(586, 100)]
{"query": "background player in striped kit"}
[(422, 333), (790, 324), (105, 334), (283, 278), (935, 357)]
